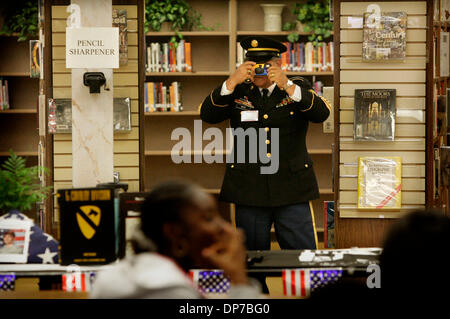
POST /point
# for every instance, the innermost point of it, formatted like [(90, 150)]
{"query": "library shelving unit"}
[(441, 24), (213, 60), (19, 124)]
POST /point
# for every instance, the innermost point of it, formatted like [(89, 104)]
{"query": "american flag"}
[(210, 281), (301, 282), (43, 248), (7, 281), (78, 281)]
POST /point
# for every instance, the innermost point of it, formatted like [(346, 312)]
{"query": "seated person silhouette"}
[(181, 229)]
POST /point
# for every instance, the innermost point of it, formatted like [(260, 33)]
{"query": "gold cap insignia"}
[(254, 43)]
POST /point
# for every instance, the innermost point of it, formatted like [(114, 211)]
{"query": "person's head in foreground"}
[(181, 229), (414, 262), (183, 222)]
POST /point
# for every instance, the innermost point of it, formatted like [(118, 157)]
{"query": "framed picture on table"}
[(14, 241)]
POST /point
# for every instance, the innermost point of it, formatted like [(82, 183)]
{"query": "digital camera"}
[(261, 68)]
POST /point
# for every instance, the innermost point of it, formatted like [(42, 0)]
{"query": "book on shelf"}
[(35, 58), (384, 36), (318, 87), (436, 172), (119, 20), (300, 57), (160, 98), (374, 115), (328, 124), (436, 4), (445, 10), (440, 123), (444, 54), (328, 223), (444, 154), (447, 113), (169, 57), (379, 182), (4, 95)]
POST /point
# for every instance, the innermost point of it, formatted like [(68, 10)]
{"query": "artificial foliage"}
[(178, 13), (20, 187), (20, 18), (315, 16)]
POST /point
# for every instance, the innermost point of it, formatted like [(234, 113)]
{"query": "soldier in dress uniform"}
[(268, 102)]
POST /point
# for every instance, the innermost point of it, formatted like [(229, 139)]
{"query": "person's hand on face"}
[(229, 254), (276, 75), (243, 72)]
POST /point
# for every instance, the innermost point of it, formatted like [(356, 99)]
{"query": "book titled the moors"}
[(384, 36)]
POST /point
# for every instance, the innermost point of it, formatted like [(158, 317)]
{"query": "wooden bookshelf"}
[(19, 111), (201, 73), (213, 60), (18, 124), (438, 196), (19, 74), (189, 33), (183, 113)]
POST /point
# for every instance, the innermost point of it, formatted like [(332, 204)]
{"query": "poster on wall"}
[(384, 36)]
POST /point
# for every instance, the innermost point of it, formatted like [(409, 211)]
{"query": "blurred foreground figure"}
[(181, 229)]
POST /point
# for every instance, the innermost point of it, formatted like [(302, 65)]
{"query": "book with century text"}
[(384, 36)]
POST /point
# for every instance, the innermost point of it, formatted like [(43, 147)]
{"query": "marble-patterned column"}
[(92, 114)]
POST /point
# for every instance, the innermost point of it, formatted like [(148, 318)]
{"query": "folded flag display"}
[(7, 282), (210, 281), (301, 282), (43, 247), (78, 281)]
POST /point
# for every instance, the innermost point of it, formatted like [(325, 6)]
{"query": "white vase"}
[(272, 16)]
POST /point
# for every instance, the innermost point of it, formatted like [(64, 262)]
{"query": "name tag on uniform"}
[(249, 116)]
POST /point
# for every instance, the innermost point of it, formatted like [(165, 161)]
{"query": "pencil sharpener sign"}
[(92, 48)]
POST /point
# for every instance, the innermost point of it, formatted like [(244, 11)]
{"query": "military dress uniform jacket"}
[(295, 181)]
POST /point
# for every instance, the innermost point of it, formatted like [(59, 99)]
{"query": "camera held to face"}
[(261, 68)]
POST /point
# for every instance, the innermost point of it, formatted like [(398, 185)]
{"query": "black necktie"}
[(264, 96)]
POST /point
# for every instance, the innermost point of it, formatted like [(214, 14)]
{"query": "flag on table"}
[(78, 281), (43, 248), (301, 282), (210, 281), (7, 282)]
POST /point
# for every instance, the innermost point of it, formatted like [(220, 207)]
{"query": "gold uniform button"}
[(267, 142), (266, 116), (292, 113), (266, 129), (306, 165), (269, 155), (232, 166)]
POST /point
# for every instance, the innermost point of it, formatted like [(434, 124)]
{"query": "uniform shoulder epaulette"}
[(300, 81)]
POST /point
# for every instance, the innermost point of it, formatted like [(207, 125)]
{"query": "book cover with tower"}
[(374, 116)]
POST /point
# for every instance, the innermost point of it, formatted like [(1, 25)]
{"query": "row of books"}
[(167, 57), (301, 57), (160, 98), (4, 95)]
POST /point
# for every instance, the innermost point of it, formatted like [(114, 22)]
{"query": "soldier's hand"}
[(276, 75), (243, 72), (229, 254)]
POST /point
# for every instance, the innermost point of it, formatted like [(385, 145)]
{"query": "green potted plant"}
[(20, 188), (179, 14), (314, 16), (20, 18)]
